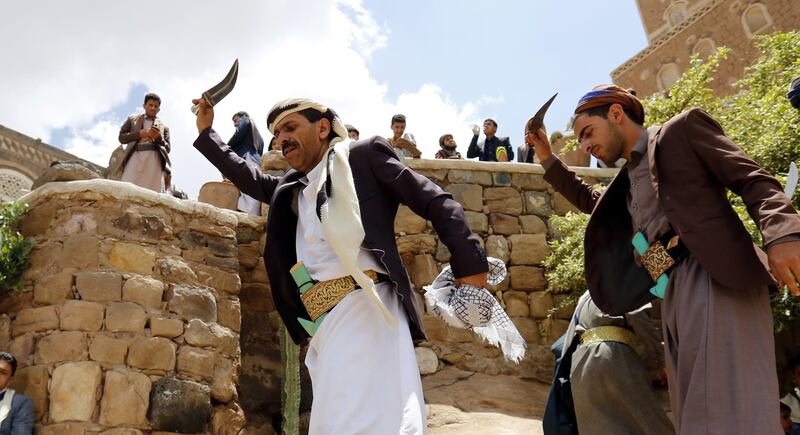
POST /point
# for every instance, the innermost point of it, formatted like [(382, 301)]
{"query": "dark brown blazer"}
[(129, 135), (382, 183), (692, 164)]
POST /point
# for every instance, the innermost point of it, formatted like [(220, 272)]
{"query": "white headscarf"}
[(340, 215)]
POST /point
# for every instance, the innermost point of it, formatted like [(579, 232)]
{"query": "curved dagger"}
[(537, 121), (221, 89)]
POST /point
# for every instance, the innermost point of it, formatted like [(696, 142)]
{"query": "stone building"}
[(23, 159), (676, 29)]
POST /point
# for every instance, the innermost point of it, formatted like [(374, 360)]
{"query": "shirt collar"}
[(639, 149)]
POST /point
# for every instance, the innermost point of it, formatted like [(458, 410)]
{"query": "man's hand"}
[(478, 280), (542, 145), (784, 260), (476, 130), (205, 114), (146, 134)]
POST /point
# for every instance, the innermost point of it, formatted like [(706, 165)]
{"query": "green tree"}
[(14, 248)]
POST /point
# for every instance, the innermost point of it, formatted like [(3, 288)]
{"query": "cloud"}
[(76, 62)]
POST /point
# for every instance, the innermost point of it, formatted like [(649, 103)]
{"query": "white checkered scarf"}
[(340, 214)]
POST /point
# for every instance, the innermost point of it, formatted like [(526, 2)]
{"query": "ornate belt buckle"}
[(657, 260)]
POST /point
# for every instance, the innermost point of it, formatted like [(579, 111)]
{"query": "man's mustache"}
[(289, 144)]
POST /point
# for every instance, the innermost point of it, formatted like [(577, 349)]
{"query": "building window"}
[(755, 19), (704, 48), (676, 13), (13, 184), (667, 75)]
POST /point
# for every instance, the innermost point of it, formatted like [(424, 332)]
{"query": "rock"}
[(528, 248), (62, 346), (99, 286), (32, 382), (566, 309), (153, 355), (529, 182), (541, 304), (122, 431), (274, 160), (144, 291), (66, 171), (249, 254), (80, 251), (537, 203), (73, 390), (53, 289), (35, 320), (416, 244), (423, 270), (257, 297), (527, 328), (433, 174), (81, 316), (516, 303), (470, 196), (427, 360), (195, 363), (175, 270), (22, 348), (223, 389), (192, 303), (165, 327), (470, 177), (406, 221), (442, 253), (477, 222), (501, 178), (220, 280), (553, 329), (179, 406), (141, 226), (497, 247), (39, 218), (527, 278), (130, 257), (532, 224), (229, 314), (109, 350), (561, 206), (126, 397), (503, 200), (222, 246), (125, 317), (211, 229), (201, 334), (504, 224), (228, 420), (5, 330)]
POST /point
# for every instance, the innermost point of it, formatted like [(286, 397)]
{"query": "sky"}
[(73, 71)]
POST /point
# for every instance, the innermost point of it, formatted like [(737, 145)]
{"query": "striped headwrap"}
[(609, 94)]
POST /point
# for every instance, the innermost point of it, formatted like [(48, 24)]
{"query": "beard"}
[(616, 143)]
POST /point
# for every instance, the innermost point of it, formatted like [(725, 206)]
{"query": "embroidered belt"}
[(663, 254), (616, 334), (324, 295)]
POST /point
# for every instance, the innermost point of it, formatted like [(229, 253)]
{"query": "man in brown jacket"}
[(146, 157), (717, 322)]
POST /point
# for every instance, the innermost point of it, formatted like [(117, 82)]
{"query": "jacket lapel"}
[(652, 141)]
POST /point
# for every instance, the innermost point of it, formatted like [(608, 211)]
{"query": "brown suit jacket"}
[(129, 136), (692, 164), (382, 183)]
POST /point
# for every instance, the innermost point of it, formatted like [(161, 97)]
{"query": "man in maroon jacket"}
[(717, 322), (335, 212)]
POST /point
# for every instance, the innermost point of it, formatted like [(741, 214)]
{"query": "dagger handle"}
[(196, 108)]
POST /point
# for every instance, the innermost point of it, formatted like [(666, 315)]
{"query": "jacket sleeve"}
[(166, 140), (125, 133), (239, 136), (248, 178), (432, 203), (22, 417), (565, 182), (509, 149), (473, 150), (761, 192)]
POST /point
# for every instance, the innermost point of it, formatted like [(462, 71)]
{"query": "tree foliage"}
[(14, 248)]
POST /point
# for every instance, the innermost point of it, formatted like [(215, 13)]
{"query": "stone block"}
[(427, 361), (416, 244), (35, 320), (433, 174), (154, 355), (53, 289), (529, 182), (477, 222), (179, 406), (470, 196), (122, 431), (81, 316), (504, 224), (258, 274), (530, 249), (528, 278), (561, 206), (229, 420), (470, 177), (501, 178), (192, 303), (62, 346), (516, 303), (201, 334), (497, 247), (503, 200), (32, 382), (109, 350), (223, 388), (43, 260), (125, 317), (541, 304), (442, 252), (532, 224), (423, 270), (211, 229), (130, 257), (406, 221), (75, 222), (257, 297), (565, 309), (553, 329), (229, 314), (22, 348), (528, 328), (195, 363), (5, 330), (65, 429), (73, 389), (537, 203), (143, 226), (249, 254), (126, 397), (99, 286), (222, 246), (144, 291), (218, 279), (165, 327), (175, 270), (39, 218), (80, 251)]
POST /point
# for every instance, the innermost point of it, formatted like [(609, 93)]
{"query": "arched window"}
[(755, 19), (675, 13), (704, 48), (13, 184), (667, 75)]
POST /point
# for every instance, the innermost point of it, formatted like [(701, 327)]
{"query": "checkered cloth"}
[(474, 308)]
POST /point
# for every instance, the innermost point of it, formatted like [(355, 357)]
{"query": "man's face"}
[(489, 129), (236, 119), (398, 128), (600, 138), (450, 143), (352, 134), (151, 108), (5, 374), (303, 143)]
